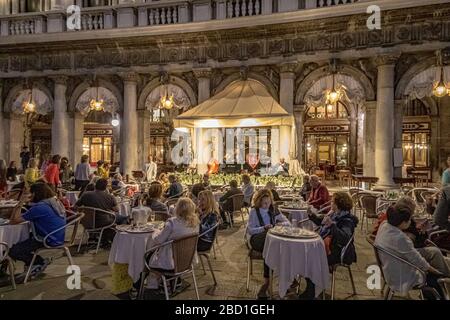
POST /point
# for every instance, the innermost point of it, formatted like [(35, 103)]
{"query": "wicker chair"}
[(74, 220), (368, 203), (161, 215), (207, 253), (4, 251), (183, 251), (238, 204), (90, 225)]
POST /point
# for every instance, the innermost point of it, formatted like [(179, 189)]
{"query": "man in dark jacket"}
[(175, 189), (226, 201)]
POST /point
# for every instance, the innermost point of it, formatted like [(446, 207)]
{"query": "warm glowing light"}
[(330, 108), (209, 123), (29, 107), (333, 96), (440, 90), (181, 129), (248, 123), (115, 122), (96, 105)]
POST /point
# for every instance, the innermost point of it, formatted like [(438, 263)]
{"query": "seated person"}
[(153, 199), (204, 185), (271, 186), (208, 211), (263, 216), (336, 229), (391, 236), (185, 222), (319, 193), (417, 235), (282, 168), (306, 188), (226, 202), (442, 211), (117, 182), (247, 189), (100, 198), (46, 215), (175, 188)]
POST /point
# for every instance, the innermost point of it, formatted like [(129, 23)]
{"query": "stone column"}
[(129, 143), (57, 5), (15, 7), (285, 139), (76, 135), (60, 123), (287, 79), (384, 143), (299, 112), (353, 140), (2, 126), (143, 137), (370, 109), (204, 84), (16, 132), (398, 131), (434, 145)]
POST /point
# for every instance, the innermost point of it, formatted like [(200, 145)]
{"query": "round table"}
[(12, 234), (289, 257), (129, 248), (299, 215)]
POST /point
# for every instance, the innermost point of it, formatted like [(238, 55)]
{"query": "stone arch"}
[(322, 72), (85, 85), (251, 75), (155, 83), (410, 74), (16, 90)]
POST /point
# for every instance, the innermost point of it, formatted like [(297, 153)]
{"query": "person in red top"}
[(319, 194), (51, 174)]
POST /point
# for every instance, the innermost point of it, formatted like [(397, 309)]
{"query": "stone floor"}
[(230, 267)]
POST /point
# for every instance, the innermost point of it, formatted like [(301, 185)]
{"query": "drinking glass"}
[(294, 223), (152, 216)]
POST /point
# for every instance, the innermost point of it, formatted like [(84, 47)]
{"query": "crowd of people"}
[(198, 210)]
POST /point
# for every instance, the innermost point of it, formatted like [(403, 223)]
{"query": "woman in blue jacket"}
[(208, 213)]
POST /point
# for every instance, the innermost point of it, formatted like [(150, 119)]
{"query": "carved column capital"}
[(288, 67), (387, 59), (129, 77), (60, 79)]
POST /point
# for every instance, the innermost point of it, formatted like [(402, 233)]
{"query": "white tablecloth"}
[(291, 257), (12, 234), (72, 196), (129, 248)]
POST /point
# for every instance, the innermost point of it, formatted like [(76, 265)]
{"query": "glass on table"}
[(152, 216)]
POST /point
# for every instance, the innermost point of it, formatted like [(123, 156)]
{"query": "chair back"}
[(161, 215), (445, 287), (72, 220), (369, 204), (13, 195), (371, 240), (345, 249), (416, 194), (238, 202), (89, 220), (4, 250), (183, 250), (377, 250), (213, 229)]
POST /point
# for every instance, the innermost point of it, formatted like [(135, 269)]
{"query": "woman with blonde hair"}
[(208, 211), (263, 216), (32, 173), (184, 223)]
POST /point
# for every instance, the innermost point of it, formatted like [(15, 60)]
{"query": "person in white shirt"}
[(400, 276), (150, 169), (282, 168), (247, 189), (185, 222), (263, 216)]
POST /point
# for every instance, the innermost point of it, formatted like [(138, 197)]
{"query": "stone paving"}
[(230, 267)]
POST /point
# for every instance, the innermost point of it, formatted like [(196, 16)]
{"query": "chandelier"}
[(439, 88), (167, 101), (333, 95), (96, 104), (29, 106)]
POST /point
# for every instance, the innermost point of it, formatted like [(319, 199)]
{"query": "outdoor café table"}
[(359, 179), (299, 215), (289, 257), (12, 234), (72, 196)]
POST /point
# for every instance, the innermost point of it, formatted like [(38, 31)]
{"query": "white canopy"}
[(245, 103)]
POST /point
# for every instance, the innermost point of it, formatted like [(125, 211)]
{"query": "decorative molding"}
[(387, 59), (288, 67), (60, 79), (129, 77), (203, 73)]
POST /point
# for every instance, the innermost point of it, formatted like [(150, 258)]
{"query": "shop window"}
[(330, 111)]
